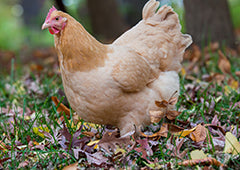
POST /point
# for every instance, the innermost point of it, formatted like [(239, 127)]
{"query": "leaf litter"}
[(206, 123)]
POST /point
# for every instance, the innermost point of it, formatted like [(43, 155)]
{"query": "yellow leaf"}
[(93, 142), (199, 134), (227, 90), (234, 84), (183, 72), (119, 150), (232, 145), (184, 133), (36, 130), (35, 143), (89, 125), (198, 154)]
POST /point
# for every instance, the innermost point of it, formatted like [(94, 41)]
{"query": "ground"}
[(36, 134)]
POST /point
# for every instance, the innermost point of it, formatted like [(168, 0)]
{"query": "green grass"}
[(235, 9), (195, 109)]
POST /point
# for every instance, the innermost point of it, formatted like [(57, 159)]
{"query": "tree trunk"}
[(60, 5), (105, 19), (134, 10), (209, 21), (31, 10)]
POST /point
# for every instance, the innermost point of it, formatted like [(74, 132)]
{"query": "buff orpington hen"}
[(117, 84)]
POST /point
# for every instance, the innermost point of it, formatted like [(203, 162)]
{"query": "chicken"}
[(117, 84)]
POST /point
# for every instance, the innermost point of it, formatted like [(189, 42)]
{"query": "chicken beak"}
[(45, 25)]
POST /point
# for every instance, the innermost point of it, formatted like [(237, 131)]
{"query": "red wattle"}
[(51, 31)]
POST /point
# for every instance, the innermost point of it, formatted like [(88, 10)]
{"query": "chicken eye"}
[(57, 18)]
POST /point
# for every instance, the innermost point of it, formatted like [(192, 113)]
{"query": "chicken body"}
[(118, 84)]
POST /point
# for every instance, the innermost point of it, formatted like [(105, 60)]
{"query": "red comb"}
[(50, 12)]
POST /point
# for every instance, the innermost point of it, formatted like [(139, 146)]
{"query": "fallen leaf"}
[(164, 130), (171, 115), (156, 116), (185, 133), (61, 107), (119, 150), (96, 158), (212, 47), (233, 83), (216, 127), (205, 161), (232, 145), (37, 130), (199, 134), (197, 154), (110, 140), (72, 141), (227, 90), (173, 100), (71, 167), (162, 103), (176, 150), (95, 142), (183, 72), (144, 148), (223, 63)]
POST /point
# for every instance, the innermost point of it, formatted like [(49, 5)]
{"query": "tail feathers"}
[(186, 40), (167, 20), (152, 13), (149, 9)]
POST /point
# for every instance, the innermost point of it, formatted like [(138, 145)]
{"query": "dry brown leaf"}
[(163, 104), (199, 134), (213, 46), (171, 115), (61, 108), (36, 67), (205, 161), (165, 129), (173, 101), (195, 53), (194, 57), (219, 78), (110, 141), (71, 167), (156, 116), (90, 134), (162, 132), (223, 63)]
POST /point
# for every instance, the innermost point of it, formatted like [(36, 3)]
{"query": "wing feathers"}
[(132, 72)]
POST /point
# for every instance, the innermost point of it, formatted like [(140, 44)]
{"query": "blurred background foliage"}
[(21, 27), (20, 21)]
